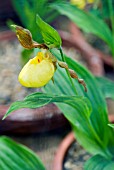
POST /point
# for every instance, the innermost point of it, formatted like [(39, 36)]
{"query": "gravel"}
[(10, 89), (75, 157)]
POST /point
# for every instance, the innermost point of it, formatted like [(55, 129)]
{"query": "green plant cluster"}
[(86, 112)]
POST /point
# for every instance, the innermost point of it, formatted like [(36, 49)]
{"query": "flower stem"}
[(64, 60)]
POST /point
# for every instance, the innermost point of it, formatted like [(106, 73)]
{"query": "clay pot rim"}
[(61, 151), (64, 146)]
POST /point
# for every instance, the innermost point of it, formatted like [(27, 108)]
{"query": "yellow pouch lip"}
[(36, 75)]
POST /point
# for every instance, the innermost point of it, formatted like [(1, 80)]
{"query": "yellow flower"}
[(39, 70), (81, 3)]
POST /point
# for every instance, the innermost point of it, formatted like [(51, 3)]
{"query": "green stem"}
[(112, 23), (63, 59)]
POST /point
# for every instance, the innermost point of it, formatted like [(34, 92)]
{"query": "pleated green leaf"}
[(37, 100), (107, 87), (86, 21), (27, 103), (98, 162), (15, 156), (50, 36)]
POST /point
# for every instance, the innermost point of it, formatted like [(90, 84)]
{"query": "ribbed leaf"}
[(109, 166), (15, 156), (50, 35), (98, 162), (98, 118), (86, 21), (27, 104), (107, 87), (36, 100)]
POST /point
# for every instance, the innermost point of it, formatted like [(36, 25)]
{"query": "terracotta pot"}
[(7, 35), (26, 121), (60, 154), (63, 148)]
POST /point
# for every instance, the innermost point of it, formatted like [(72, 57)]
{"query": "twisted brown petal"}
[(25, 38)]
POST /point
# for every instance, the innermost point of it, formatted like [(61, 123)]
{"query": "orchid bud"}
[(75, 76), (63, 64), (72, 73)]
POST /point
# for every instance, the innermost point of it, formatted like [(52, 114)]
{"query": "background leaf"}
[(99, 162), (86, 21), (15, 156), (107, 87), (25, 56), (50, 35), (27, 10)]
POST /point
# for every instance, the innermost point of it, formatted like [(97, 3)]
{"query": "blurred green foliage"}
[(27, 10), (98, 20)]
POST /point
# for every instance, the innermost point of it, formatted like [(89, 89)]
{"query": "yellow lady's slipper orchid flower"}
[(81, 3), (39, 70)]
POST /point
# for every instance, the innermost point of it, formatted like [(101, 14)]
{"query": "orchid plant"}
[(78, 94)]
